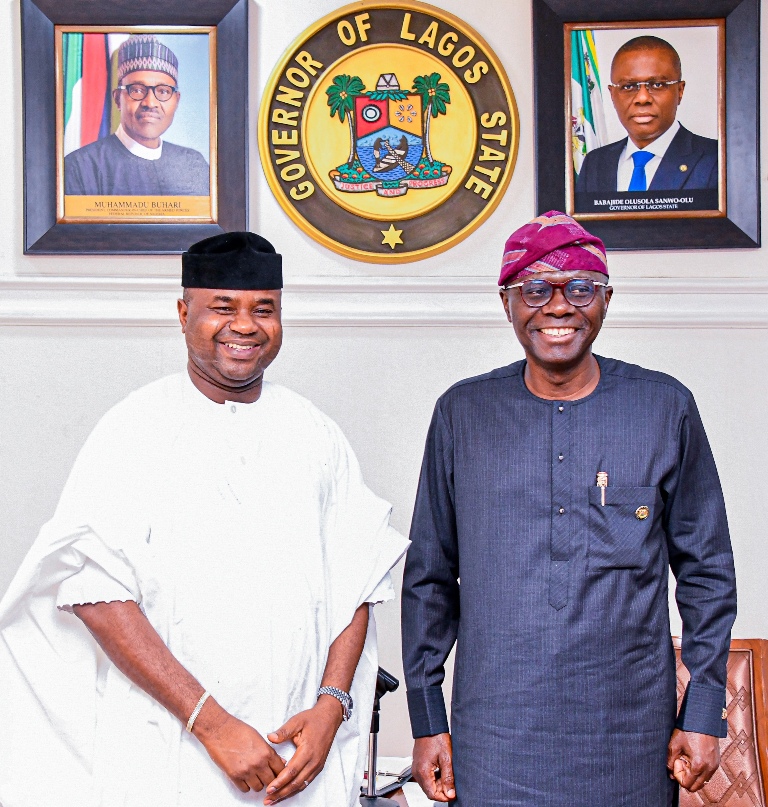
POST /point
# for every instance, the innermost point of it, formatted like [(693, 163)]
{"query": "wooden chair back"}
[(742, 777)]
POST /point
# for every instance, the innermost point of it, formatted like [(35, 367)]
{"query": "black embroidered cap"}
[(232, 261)]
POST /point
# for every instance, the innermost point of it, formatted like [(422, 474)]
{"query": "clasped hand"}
[(692, 758), (251, 763)]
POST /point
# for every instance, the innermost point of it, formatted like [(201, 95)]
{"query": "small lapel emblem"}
[(683, 167), (642, 513)]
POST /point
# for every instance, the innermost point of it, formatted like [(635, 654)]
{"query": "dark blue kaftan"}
[(564, 686), (107, 168)]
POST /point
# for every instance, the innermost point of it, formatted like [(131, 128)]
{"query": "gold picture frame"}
[(662, 199), (133, 208)]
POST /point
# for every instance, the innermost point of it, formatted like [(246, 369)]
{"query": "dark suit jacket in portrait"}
[(698, 154)]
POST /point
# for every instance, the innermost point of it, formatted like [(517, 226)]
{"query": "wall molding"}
[(45, 300)]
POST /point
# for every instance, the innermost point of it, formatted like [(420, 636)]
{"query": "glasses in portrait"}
[(136, 138), (645, 124)]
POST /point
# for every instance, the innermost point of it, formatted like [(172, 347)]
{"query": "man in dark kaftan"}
[(136, 160), (108, 168), (555, 495)]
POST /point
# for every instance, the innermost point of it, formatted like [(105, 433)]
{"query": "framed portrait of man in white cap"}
[(135, 131), (139, 122)]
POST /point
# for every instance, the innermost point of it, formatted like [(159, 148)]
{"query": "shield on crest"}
[(389, 134)]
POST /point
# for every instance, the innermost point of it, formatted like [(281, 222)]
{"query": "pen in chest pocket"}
[(602, 483)]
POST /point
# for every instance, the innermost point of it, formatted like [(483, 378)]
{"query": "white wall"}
[(373, 346)]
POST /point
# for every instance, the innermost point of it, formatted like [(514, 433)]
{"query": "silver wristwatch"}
[(344, 698)]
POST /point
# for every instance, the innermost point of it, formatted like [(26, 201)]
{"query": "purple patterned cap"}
[(553, 242)]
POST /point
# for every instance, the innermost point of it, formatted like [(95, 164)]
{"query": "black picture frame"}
[(42, 234), (740, 227)]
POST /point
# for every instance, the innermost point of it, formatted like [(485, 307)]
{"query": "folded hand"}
[(241, 752), (312, 732)]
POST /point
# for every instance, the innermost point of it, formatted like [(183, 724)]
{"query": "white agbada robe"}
[(248, 537)]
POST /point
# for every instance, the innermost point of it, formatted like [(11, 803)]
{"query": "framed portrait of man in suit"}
[(644, 119), (647, 119)]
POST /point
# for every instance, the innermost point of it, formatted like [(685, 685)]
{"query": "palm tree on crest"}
[(435, 94), (341, 99)]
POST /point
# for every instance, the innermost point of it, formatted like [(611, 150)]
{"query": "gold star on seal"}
[(392, 236)]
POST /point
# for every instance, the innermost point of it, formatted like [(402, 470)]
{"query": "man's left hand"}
[(312, 732), (692, 758)]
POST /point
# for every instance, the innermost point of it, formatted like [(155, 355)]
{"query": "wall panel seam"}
[(380, 302)]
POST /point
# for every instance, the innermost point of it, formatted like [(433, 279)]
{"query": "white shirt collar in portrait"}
[(136, 148), (658, 148)]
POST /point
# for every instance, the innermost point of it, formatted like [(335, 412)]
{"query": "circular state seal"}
[(388, 131)]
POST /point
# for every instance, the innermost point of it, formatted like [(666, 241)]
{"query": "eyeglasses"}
[(654, 87), (163, 92), (537, 293)]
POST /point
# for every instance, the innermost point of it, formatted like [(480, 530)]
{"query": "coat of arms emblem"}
[(388, 132)]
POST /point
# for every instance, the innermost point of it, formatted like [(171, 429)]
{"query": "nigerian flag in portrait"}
[(587, 115)]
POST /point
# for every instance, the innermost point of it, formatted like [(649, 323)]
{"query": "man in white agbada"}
[(215, 535)]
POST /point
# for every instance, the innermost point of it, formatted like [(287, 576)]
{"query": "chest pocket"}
[(619, 531)]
